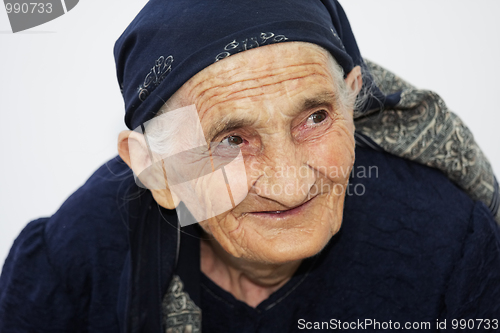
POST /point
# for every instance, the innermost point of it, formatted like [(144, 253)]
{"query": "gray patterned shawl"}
[(421, 128)]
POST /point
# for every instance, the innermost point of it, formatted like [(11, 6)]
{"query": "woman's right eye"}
[(229, 146)]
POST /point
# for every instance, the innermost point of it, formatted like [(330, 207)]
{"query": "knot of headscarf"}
[(170, 41)]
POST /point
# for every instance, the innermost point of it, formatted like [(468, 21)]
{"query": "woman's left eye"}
[(233, 141), (317, 117)]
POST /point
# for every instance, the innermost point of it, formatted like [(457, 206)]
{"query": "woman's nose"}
[(285, 176)]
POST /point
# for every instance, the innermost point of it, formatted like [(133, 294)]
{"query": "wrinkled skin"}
[(267, 87), (297, 141)]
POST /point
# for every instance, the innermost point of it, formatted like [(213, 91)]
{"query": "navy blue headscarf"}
[(170, 41)]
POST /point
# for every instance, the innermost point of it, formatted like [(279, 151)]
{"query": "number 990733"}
[(28, 7)]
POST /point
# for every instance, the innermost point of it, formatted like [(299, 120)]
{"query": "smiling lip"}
[(276, 214)]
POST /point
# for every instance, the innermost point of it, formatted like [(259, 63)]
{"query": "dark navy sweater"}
[(412, 248)]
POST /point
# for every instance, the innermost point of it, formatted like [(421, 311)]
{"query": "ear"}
[(134, 151), (354, 80)]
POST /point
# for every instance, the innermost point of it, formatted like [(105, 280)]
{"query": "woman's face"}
[(297, 143)]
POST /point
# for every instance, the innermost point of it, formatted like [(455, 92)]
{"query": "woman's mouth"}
[(278, 214)]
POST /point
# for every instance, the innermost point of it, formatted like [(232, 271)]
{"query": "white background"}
[(61, 110)]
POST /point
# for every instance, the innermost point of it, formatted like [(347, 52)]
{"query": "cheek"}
[(333, 155)]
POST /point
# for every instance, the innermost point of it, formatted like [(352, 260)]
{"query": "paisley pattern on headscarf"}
[(421, 128)]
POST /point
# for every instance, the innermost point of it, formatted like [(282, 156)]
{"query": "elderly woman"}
[(241, 118)]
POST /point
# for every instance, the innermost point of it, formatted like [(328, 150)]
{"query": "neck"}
[(247, 281)]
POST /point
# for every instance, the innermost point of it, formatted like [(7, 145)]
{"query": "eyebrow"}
[(226, 125), (321, 99)]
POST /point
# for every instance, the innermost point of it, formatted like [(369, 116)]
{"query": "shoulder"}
[(393, 188), (85, 242), (407, 204), (101, 197), (419, 238), (93, 217), (92, 222), (70, 265)]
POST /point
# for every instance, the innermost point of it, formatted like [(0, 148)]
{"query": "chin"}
[(279, 238), (286, 245), (297, 249)]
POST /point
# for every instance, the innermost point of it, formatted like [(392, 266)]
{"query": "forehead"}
[(267, 76)]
